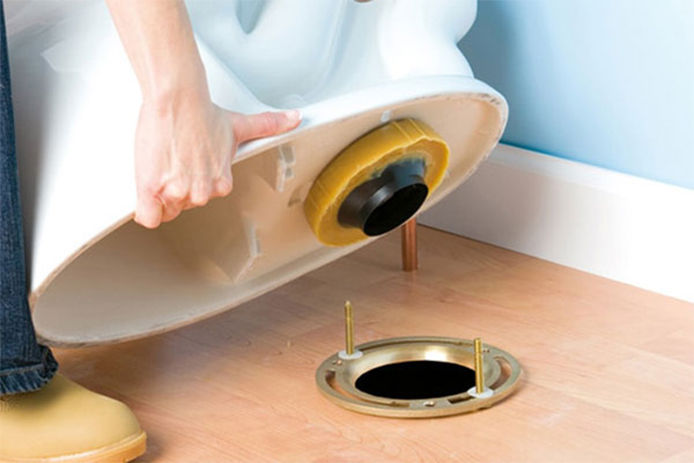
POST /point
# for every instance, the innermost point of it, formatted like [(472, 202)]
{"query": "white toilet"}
[(350, 67)]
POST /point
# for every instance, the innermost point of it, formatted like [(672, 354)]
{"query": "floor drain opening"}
[(418, 379)]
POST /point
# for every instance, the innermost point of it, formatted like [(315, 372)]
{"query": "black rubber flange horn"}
[(385, 202)]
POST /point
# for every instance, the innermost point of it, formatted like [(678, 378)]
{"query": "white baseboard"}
[(622, 227)]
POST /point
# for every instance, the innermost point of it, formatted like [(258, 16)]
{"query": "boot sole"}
[(121, 452)]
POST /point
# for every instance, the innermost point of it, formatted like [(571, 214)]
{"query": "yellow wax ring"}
[(364, 159)]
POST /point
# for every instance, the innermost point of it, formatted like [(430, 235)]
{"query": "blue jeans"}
[(24, 364)]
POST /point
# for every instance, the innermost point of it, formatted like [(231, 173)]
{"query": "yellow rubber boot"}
[(65, 422)]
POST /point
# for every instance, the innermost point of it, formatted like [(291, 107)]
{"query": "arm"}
[(184, 143)]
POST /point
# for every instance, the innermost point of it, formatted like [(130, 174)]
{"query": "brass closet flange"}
[(494, 375)]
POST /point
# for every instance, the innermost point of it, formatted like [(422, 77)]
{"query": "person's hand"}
[(184, 143), (183, 151)]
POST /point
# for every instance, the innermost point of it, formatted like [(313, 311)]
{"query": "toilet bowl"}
[(352, 68)]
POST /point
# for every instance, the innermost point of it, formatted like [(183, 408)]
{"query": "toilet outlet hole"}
[(385, 202), (419, 379), (397, 210)]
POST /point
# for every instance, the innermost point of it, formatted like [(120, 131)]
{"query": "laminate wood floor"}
[(609, 368)]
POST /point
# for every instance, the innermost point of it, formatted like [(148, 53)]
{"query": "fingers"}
[(149, 211), (200, 193), (222, 187), (176, 197), (171, 211), (249, 127), (155, 209)]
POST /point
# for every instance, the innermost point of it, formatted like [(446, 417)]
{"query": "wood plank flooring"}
[(609, 367)]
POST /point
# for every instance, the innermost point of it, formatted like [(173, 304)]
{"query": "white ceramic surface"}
[(98, 277)]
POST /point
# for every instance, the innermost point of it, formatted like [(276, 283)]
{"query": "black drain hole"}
[(397, 210), (387, 201), (419, 379)]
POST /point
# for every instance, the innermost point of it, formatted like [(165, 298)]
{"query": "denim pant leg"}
[(24, 364)]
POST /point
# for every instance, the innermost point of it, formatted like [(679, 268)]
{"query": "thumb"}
[(249, 127)]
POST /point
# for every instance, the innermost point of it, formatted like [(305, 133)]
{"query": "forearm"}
[(159, 41)]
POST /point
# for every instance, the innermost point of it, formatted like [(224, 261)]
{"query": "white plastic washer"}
[(345, 356), (483, 395)]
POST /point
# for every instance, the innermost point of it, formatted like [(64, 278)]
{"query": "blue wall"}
[(606, 82)]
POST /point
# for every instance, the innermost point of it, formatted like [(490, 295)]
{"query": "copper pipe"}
[(409, 245)]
